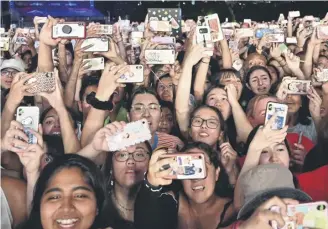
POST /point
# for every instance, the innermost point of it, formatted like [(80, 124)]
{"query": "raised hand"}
[(99, 142), (19, 87), (228, 157), (293, 61), (157, 175), (315, 103), (266, 136), (298, 154), (275, 51), (15, 139), (46, 33)]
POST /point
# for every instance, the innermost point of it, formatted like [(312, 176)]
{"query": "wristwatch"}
[(100, 105)]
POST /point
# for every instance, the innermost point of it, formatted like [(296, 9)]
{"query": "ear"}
[(217, 173)]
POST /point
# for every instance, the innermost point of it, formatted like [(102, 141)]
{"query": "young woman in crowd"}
[(196, 205)]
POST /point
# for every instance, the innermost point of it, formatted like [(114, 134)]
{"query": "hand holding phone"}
[(281, 114), (29, 118)]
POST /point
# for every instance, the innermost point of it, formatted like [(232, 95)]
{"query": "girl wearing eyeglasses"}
[(124, 171)]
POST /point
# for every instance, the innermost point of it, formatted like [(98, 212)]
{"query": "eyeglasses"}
[(139, 155), (140, 108), (8, 73), (210, 123), (162, 87)]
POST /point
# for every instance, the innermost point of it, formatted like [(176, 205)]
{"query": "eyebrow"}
[(74, 189), (51, 116)]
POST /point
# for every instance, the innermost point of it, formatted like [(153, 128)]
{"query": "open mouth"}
[(263, 89), (67, 223), (198, 188), (203, 134)]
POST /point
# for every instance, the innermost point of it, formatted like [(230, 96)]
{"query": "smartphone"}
[(186, 166), (133, 133), (277, 38), (21, 40), (281, 111), (100, 44), (233, 45), (95, 63), (237, 65), (291, 40), (244, 32), (213, 23), (160, 26), (134, 75), (203, 36), (136, 38), (303, 216), (228, 33), (4, 43), (45, 82), (294, 14), (69, 30), (105, 29), (29, 118), (13, 26), (40, 20), (322, 76), (163, 40), (137, 34), (2, 31), (248, 21), (323, 32), (160, 56), (298, 87)]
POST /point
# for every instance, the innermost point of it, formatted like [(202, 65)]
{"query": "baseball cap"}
[(16, 64), (264, 182)]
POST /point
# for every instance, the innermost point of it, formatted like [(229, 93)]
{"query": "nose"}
[(274, 157), (130, 161), (57, 124), (67, 205), (204, 125), (146, 113), (260, 82)]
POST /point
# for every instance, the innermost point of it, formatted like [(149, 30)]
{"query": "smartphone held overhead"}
[(280, 110), (29, 118), (69, 30)]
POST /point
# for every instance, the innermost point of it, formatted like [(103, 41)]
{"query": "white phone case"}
[(160, 26), (281, 110), (69, 30), (213, 22), (160, 56), (96, 63), (163, 40), (133, 133), (4, 43), (291, 40), (29, 118), (294, 14), (244, 32), (134, 75), (100, 44), (105, 29)]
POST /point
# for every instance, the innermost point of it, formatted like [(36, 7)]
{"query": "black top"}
[(158, 209), (114, 218), (315, 159)]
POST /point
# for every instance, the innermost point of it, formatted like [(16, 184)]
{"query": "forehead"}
[(217, 91), (166, 80), (67, 177), (258, 72), (228, 76), (52, 112), (166, 111), (206, 113), (263, 102), (145, 99)]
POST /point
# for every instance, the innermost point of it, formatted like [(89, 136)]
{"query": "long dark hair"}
[(92, 176), (222, 186)]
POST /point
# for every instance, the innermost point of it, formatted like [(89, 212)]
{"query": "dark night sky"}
[(259, 11)]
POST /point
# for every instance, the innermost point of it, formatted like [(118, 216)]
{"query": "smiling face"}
[(50, 124), (68, 201), (275, 154), (200, 191), (259, 82), (218, 98), (258, 115), (152, 113), (130, 172), (165, 89), (200, 132)]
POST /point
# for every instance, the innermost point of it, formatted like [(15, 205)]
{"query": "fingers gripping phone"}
[(29, 118), (134, 75), (186, 166), (69, 30), (302, 216), (45, 82), (99, 44), (281, 110)]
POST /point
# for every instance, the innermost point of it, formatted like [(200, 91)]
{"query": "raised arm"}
[(106, 87), (200, 81), (226, 56), (70, 140)]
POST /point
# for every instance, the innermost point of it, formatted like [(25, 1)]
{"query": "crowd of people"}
[(212, 100)]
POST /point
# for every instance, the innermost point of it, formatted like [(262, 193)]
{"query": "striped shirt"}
[(166, 140)]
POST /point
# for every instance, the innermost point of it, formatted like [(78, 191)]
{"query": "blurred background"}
[(22, 12)]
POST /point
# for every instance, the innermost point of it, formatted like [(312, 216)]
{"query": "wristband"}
[(100, 105), (150, 186)]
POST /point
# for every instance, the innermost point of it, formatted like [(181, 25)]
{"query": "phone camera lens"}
[(67, 29), (200, 157)]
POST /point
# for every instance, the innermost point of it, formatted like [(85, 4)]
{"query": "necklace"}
[(121, 206)]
